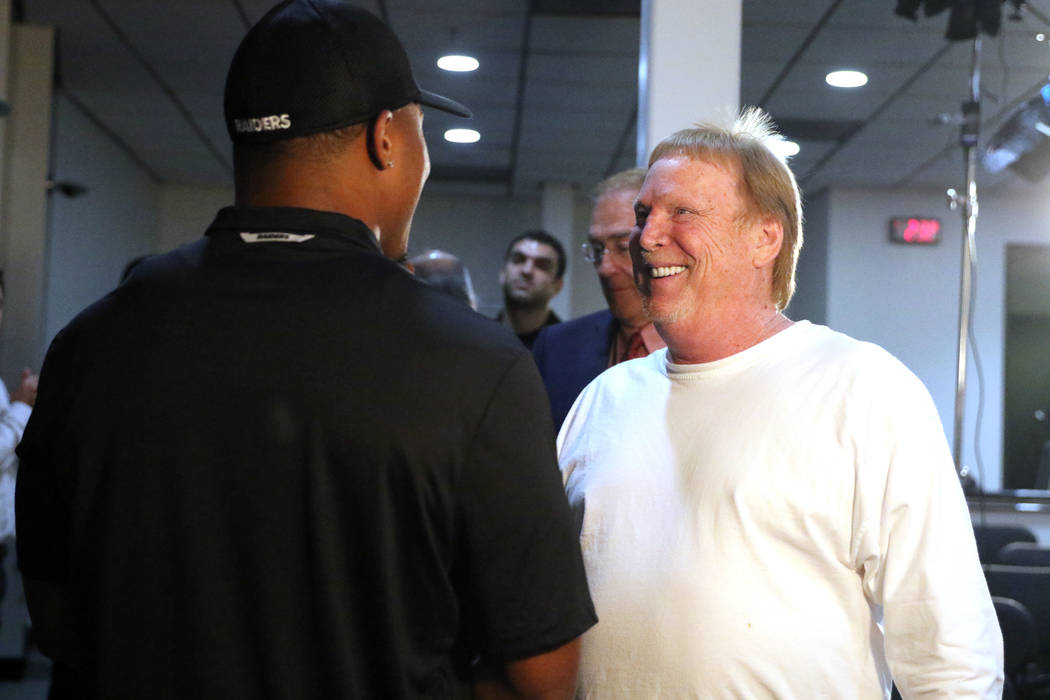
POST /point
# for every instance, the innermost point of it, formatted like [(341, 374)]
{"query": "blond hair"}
[(766, 179)]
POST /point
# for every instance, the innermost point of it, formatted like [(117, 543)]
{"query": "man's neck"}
[(525, 319), (720, 334)]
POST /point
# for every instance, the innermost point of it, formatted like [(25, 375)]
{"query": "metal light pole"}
[(971, 127)]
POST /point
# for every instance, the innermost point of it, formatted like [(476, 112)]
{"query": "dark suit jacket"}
[(570, 355)]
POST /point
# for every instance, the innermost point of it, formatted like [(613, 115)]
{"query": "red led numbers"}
[(915, 230)]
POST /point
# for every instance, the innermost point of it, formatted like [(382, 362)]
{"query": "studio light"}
[(1022, 142), (462, 136)]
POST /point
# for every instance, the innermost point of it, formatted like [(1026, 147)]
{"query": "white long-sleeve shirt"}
[(782, 523), (13, 418)]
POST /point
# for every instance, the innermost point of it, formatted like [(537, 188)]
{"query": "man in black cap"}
[(312, 475)]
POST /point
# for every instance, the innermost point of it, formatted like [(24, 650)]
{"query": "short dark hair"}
[(321, 147), (540, 236)]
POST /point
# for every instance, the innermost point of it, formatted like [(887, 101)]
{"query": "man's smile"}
[(657, 272)]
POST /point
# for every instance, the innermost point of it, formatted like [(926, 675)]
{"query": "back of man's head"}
[(767, 179), (316, 66), (540, 236), (310, 82), (447, 273)]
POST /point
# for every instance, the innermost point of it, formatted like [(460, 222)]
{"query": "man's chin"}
[(526, 301), (663, 313)]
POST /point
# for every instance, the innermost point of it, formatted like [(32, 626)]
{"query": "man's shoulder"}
[(459, 331), (597, 322), (598, 319), (859, 365), (840, 348)]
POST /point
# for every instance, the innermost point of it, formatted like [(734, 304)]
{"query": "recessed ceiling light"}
[(784, 149), (458, 64), (846, 78), (462, 136)]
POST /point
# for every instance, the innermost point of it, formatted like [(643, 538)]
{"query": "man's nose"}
[(653, 234), (606, 267)]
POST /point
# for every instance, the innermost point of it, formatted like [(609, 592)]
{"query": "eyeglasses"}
[(617, 246)]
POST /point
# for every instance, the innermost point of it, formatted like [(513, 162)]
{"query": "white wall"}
[(92, 237), (811, 278), (906, 299)]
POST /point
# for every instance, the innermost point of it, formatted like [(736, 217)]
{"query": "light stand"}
[(971, 127)]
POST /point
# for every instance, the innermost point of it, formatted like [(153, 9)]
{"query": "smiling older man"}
[(769, 508)]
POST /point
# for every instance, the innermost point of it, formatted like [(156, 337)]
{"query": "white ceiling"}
[(152, 71)]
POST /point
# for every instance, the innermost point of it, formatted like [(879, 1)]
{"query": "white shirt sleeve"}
[(914, 547), (13, 418)]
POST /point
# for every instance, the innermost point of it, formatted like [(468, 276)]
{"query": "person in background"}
[(570, 354), (272, 463), (768, 507), (531, 276), (14, 413), (446, 272)]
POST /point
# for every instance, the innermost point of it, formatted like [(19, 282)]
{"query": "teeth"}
[(666, 271)]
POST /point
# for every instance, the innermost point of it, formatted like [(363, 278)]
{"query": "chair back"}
[(1029, 586), (1020, 638), (1024, 554), (992, 538)]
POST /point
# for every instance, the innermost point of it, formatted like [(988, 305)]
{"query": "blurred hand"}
[(26, 391)]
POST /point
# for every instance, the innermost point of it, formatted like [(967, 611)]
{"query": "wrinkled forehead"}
[(613, 213), (670, 166)]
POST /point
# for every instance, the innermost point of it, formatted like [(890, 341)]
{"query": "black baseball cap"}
[(310, 66)]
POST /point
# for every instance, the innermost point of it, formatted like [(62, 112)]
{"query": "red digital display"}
[(915, 229)]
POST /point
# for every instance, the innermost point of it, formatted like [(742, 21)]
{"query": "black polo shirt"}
[(274, 464)]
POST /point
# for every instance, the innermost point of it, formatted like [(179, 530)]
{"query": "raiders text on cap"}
[(270, 123)]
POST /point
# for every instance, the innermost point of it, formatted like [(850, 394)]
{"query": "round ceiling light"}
[(846, 78), (462, 136), (458, 64)]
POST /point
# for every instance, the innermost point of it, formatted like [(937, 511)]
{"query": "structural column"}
[(556, 213), (689, 67), (23, 204)]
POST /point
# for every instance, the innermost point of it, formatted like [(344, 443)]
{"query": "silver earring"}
[(390, 164)]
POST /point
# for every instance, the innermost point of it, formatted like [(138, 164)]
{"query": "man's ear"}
[(381, 140), (769, 239), (558, 284)]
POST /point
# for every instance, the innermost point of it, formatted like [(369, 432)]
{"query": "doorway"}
[(1026, 381)]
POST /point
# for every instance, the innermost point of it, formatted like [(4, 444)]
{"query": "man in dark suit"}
[(571, 354)]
